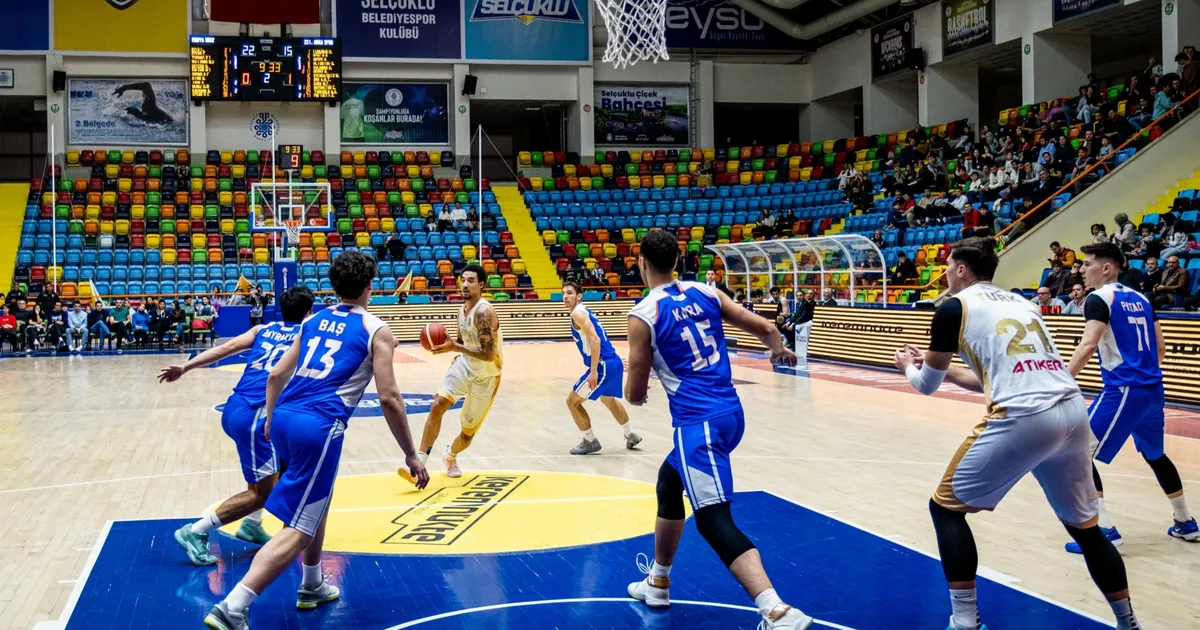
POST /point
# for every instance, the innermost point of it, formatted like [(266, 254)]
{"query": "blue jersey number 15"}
[(697, 336)]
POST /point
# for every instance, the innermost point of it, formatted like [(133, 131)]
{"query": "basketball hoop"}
[(292, 229), (636, 31)]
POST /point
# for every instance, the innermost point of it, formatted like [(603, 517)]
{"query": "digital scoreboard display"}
[(265, 68)]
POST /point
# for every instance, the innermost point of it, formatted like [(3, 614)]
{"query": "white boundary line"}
[(930, 555), (584, 600), (77, 592)]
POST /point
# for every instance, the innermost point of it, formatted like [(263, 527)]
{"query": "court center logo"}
[(444, 516), (526, 11), (368, 405)]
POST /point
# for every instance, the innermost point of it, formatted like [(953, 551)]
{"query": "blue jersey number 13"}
[(317, 373)]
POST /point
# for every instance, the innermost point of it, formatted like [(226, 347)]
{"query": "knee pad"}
[(670, 494), (1103, 560), (1166, 473), (716, 525)]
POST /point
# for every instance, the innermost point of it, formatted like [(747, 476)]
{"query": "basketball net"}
[(292, 229), (636, 31)]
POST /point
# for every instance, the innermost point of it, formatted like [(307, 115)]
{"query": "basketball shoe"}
[(1111, 534), (654, 590), (309, 598), (586, 447), (452, 469), (1186, 530), (253, 533), (632, 440), (785, 617), (196, 546), (221, 618)]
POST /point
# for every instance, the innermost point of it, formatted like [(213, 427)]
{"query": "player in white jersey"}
[(474, 374), (311, 394), (1036, 423), (243, 420), (603, 379)]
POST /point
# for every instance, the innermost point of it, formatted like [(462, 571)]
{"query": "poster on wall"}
[(127, 112), (26, 25), (128, 26), (967, 24), (422, 29), (723, 25), (1071, 9), (396, 113), (891, 44), (642, 115), (511, 30)]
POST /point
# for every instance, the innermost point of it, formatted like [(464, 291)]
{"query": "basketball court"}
[(101, 464)]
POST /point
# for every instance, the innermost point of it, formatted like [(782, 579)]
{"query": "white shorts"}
[(478, 393), (1053, 445)]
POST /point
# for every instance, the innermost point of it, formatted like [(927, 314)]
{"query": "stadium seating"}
[(152, 220)]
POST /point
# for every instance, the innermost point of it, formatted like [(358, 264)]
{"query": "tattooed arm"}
[(486, 323)]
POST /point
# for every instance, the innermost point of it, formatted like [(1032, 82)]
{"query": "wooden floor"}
[(88, 440)]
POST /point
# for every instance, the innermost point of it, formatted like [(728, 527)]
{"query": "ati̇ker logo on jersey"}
[(527, 11), (122, 4)]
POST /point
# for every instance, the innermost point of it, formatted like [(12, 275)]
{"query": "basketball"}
[(433, 335)]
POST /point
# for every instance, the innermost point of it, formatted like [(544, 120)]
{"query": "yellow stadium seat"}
[(320, 240), (122, 227), (408, 197), (569, 170), (225, 198), (137, 212), (536, 183), (610, 250), (261, 256), (585, 183), (227, 226), (745, 177), (524, 158), (306, 171), (659, 181), (362, 239), (387, 224), (425, 210), (199, 241), (360, 157), (628, 235), (634, 182), (347, 171), (468, 252), (168, 256), (549, 237), (127, 156), (635, 156), (435, 158), (518, 267), (413, 171), (606, 170)]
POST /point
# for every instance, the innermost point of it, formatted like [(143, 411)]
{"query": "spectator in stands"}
[(846, 176), (1164, 101), (27, 324), (215, 297), (180, 323), (1099, 233), (1078, 296), (160, 323), (800, 321), (120, 318), (1115, 127), (877, 238), (47, 299), (98, 324), (14, 295), (140, 325), (1079, 171), (710, 278), (827, 298), (1076, 273), (472, 219), (56, 326), (1175, 239), (1106, 148), (1147, 243), (1150, 277), (1189, 73), (1125, 235), (8, 329), (1064, 255), (1057, 281), (77, 328), (459, 217), (445, 219), (905, 271), (431, 223), (975, 188), (1169, 293), (1087, 105), (766, 225), (1153, 71), (1047, 302), (1142, 114)]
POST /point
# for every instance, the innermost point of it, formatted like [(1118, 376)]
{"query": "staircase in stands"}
[(1164, 202), (12, 212), (528, 240)]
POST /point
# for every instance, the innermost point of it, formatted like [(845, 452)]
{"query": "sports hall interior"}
[(792, 146)]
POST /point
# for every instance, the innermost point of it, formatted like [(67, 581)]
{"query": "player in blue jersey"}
[(1124, 331), (677, 330), (244, 420), (604, 377), (311, 393)]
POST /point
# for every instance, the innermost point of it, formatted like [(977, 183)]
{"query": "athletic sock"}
[(240, 599), (658, 570), (627, 428), (255, 517), (1180, 507), (1123, 610), (1105, 521), (767, 601), (206, 524), (588, 435), (964, 605), (312, 576)]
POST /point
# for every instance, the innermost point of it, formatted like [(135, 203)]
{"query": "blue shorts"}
[(701, 457), (1119, 412), (310, 449), (244, 424), (611, 374)]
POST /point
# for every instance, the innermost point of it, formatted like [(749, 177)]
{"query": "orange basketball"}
[(433, 335)]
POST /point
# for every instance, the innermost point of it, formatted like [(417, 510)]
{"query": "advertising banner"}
[(127, 112), (890, 45), (724, 25), (396, 113), (26, 25), (405, 29), (128, 26), (528, 30), (1070, 9), (967, 24), (641, 115)]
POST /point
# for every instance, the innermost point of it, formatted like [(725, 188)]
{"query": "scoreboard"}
[(265, 68)]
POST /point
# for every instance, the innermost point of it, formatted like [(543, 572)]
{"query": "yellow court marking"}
[(492, 511)]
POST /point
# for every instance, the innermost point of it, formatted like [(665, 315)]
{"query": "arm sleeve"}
[(1094, 307), (945, 327)]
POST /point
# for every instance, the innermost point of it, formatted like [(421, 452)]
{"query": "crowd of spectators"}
[(48, 323)]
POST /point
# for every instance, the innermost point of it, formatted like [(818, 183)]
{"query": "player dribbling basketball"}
[(473, 375)]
